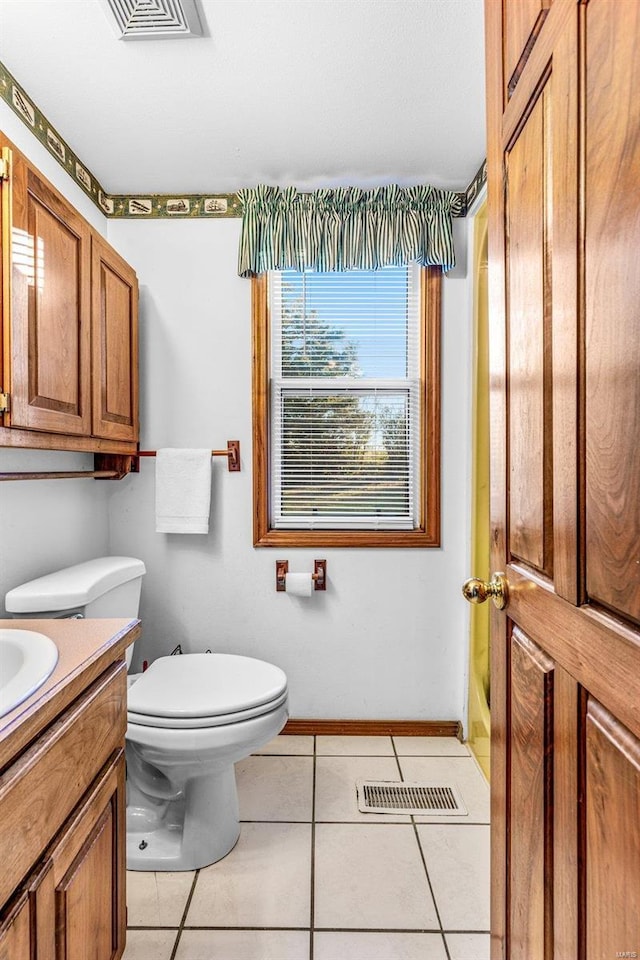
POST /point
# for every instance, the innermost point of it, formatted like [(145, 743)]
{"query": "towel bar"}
[(232, 452)]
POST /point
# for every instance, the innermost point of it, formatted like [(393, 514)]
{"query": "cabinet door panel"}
[(50, 321), (115, 345), (89, 873), (85, 896)]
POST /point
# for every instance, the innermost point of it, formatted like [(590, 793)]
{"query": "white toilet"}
[(190, 718)]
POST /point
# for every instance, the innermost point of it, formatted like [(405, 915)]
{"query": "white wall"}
[(389, 637), (46, 524)]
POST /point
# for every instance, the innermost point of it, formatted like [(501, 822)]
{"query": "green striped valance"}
[(346, 228)]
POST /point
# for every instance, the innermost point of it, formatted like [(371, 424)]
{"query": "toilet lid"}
[(205, 685)]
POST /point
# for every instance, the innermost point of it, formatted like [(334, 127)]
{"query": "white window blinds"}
[(345, 399)]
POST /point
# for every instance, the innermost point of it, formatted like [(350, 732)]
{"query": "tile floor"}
[(311, 878)]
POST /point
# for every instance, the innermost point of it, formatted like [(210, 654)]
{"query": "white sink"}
[(27, 659)]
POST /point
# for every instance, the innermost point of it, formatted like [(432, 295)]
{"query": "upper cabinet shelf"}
[(69, 306)]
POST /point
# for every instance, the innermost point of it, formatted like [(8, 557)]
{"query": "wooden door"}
[(50, 375), (115, 344), (564, 236), (89, 874)]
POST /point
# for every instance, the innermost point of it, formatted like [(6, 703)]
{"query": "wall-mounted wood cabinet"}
[(69, 323)]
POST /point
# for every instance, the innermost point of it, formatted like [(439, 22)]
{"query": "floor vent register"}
[(396, 796)]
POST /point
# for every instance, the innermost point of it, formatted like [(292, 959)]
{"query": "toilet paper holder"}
[(319, 575)]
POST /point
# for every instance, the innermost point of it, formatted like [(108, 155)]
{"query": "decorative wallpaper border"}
[(142, 206), (165, 205), (475, 186)]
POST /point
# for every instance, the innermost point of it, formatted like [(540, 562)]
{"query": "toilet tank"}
[(104, 587)]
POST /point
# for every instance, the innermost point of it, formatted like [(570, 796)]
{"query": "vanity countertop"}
[(85, 649)]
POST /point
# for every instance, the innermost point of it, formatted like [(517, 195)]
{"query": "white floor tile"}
[(461, 771), (275, 788), (457, 859), (354, 746), (336, 797), (378, 946), (264, 882), (370, 877), (157, 899), (468, 946), (243, 945), (286, 745), (430, 747), (149, 944)]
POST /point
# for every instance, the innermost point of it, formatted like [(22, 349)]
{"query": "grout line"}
[(424, 862), (313, 852), (433, 897), (184, 916), (325, 929)]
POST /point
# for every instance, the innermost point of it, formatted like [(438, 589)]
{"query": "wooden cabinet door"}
[(115, 344), (564, 231), (89, 874), (27, 931), (50, 331)]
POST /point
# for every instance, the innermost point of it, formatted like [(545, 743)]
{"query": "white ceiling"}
[(305, 92)]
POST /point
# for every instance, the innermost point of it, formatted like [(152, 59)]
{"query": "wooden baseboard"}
[(374, 728)]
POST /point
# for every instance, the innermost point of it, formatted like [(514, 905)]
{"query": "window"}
[(346, 408)]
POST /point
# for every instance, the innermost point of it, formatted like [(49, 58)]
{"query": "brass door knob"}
[(477, 591)]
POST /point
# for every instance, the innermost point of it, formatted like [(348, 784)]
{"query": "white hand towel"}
[(183, 491)]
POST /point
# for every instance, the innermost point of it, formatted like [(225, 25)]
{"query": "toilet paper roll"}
[(299, 584)]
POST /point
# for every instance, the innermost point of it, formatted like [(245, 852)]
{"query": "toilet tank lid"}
[(74, 586)]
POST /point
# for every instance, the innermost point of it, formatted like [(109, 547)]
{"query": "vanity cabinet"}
[(69, 312), (62, 833)]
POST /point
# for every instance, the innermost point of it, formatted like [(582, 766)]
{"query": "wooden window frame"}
[(427, 534)]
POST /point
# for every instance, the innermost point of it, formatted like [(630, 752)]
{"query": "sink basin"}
[(27, 659)]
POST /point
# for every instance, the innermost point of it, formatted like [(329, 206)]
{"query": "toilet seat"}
[(205, 690)]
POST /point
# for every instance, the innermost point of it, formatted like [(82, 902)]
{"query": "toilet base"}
[(204, 831)]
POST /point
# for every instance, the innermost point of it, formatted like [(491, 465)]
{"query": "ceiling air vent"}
[(153, 19)]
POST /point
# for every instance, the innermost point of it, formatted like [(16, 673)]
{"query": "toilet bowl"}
[(189, 719)]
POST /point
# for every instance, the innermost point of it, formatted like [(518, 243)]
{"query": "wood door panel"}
[(54, 312), (530, 751), (50, 303), (85, 901), (612, 837), (89, 872), (115, 345), (15, 932), (523, 20), (117, 296), (613, 307), (529, 413)]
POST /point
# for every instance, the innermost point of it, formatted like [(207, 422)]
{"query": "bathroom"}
[(389, 639)]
